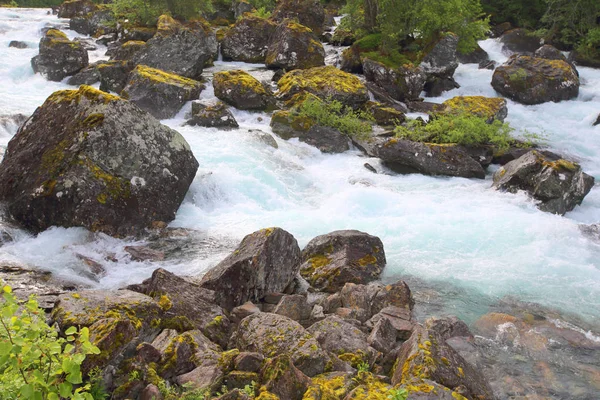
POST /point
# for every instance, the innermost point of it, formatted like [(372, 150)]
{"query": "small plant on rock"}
[(335, 115)]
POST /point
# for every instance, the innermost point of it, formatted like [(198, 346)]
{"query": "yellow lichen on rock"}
[(239, 78), (485, 107), (317, 80), (157, 75)]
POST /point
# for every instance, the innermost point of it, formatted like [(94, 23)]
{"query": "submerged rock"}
[(532, 80), (158, 92), (248, 40), (87, 158), (212, 116), (294, 46), (241, 90), (558, 184), (18, 44), (59, 57)]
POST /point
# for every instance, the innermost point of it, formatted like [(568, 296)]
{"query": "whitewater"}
[(461, 245)]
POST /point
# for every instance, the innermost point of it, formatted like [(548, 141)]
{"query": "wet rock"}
[(98, 22), (435, 86), (99, 170), (179, 49), (248, 40), (490, 108), (87, 76), (325, 83), (477, 56), (531, 80), (597, 121), (250, 362), (402, 83), (212, 116), (294, 307), (439, 65), (143, 253), (76, 8), (309, 13), (405, 156), (294, 46), (272, 335), (334, 259), (559, 185), (520, 41), (383, 336), (241, 90), (550, 52), (342, 37), (488, 64), (158, 92), (59, 57), (266, 261), (128, 50), (497, 30), (114, 75), (350, 61), (427, 356), (282, 378), (17, 44)]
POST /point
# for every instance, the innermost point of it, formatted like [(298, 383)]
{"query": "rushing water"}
[(472, 243)]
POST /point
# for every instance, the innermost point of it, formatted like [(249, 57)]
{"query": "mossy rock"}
[(280, 377), (128, 50), (241, 90), (248, 40), (329, 386), (490, 108), (385, 115), (309, 13), (59, 57), (401, 82), (294, 46), (114, 75)]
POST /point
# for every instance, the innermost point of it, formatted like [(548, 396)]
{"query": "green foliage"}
[(334, 114), (32, 3), (521, 13), (573, 22), (463, 129), (363, 367), (146, 12), (97, 389), (398, 394), (267, 5), (250, 389), (262, 12), (35, 363)]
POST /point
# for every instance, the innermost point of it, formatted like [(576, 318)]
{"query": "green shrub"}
[(262, 12), (464, 129), (334, 114), (35, 363)]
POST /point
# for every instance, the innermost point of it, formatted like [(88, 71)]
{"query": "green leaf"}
[(71, 331), (65, 389)]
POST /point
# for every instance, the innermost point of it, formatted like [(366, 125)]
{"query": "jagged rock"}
[(597, 121), (272, 335), (435, 85), (248, 40), (179, 49), (158, 92), (76, 8), (18, 44), (332, 260), (212, 116), (520, 41), (385, 115), (241, 7), (250, 362), (325, 83), (383, 336), (531, 80), (144, 253), (128, 50), (98, 22), (59, 57), (266, 261), (345, 340), (490, 108), (477, 56), (309, 13), (87, 158), (294, 307), (550, 52), (87, 76), (487, 64), (241, 379), (294, 46), (406, 156), (282, 378), (558, 184), (439, 65), (241, 90), (402, 83), (205, 377), (114, 75)]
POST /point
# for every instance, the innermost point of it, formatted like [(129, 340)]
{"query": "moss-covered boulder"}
[(129, 32), (294, 46), (326, 83), (76, 8), (266, 261), (280, 377), (160, 93), (59, 57), (342, 37), (334, 259), (490, 108), (248, 40), (385, 115), (128, 50), (403, 83), (87, 158), (180, 49), (309, 13), (532, 80), (332, 385), (273, 335), (98, 22), (212, 116), (114, 75), (558, 184), (241, 90), (369, 386)]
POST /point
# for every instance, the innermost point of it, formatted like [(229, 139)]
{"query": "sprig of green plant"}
[(398, 394)]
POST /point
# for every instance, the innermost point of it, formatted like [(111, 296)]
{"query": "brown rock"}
[(282, 378)]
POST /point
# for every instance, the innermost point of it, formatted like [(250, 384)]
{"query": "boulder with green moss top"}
[(288, 125), (309, 13), (272, 335), (426, 356), (212, 116), (180, 49), (331, 385), (280, 377), (114, 75), (520, 40), (558, 184), (405, 157), (325, 83), (294, 46), (402, 83), (59, 57), (532, 80), (76, 8), (160, 93), (248, 40), (490, 108), (342, 37), (385, 115), (128, 50), (266, 261), (334, 259), (98, 22), (369, 386), (241, 90), (87, 158), (127, 33)]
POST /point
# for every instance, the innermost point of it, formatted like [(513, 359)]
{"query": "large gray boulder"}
[(558, 184), (59, 57), (87, 158), (532, 80), (309, 13), (266, 261), (334, 259), (403, 83), (248, 40), (439, 65), (182, 50), (294, 46), (76, 8), (98, 22), (520, 40)]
